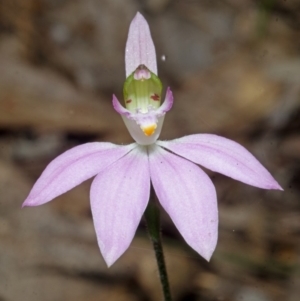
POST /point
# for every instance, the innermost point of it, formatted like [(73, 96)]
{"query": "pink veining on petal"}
[(140, 49), (224, 156), (72, 168), (119, 196), (188, 196)]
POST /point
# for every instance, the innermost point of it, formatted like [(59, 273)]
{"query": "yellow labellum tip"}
[(149, 130)]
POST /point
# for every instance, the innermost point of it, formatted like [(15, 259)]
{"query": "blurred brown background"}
[(234, 68)]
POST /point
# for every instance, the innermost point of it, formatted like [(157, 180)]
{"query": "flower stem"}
[(153, 225)]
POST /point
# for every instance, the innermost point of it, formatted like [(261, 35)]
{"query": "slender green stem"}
[(153, 225)]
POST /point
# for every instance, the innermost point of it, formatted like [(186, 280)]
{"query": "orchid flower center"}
[(142, 93)]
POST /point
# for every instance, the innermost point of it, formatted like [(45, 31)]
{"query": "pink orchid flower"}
[(120, 191)]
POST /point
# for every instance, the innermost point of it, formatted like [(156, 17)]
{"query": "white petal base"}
[(137, 133)]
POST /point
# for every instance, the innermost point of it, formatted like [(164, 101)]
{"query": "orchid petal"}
[(119, 196), (72, 168), (188, 196), (167, 104), (119, 108), (224, 156), (140, 49)]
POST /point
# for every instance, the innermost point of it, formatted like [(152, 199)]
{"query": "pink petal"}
[(119, 196), (167, 104), (188, 196), (119, 108), (140, 49), (224, 156), (72, 168)]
